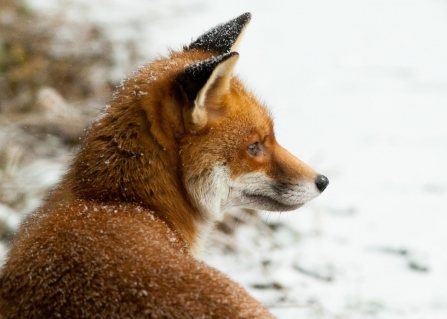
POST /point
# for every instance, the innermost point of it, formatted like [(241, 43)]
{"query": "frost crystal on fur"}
[(120, 235), (221, 38)]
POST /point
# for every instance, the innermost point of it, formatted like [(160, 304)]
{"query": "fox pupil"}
[(254, 149)]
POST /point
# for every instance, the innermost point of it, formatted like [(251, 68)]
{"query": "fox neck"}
[(209, 194), (123, 159)]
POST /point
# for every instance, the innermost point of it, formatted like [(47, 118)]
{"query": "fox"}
[(181, 142)]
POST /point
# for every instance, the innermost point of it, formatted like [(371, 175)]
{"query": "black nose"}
[(322, 182)]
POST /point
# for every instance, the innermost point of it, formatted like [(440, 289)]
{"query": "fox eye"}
[(254, 149)]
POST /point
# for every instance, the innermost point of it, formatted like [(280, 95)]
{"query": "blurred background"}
[(358, 89)]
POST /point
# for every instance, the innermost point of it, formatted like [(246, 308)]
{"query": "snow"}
[(227, 33), (359, 91)]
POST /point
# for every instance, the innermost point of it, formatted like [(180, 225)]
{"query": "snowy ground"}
[(359, 91)]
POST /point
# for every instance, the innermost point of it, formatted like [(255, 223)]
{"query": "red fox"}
[(182, 141)]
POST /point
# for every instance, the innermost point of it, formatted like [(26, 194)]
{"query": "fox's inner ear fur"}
[(224, 38), (202, 84)]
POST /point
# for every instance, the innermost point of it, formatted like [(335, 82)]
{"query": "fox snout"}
[(278, 182), (290, 169)]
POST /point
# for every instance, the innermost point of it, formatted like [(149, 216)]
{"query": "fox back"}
[(182, 141)]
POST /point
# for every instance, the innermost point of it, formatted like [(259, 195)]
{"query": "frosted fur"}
[(120, 235), (223, 38)]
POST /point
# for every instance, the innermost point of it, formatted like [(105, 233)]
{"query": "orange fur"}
[(182, 141)]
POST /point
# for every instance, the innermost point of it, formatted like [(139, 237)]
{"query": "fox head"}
[(184, 137), (243, 163)]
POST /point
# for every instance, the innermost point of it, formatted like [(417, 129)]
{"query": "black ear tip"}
[(221, 38), (243, 19), (246, 17)]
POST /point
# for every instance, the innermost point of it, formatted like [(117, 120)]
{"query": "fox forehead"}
[(244, 110), (172, 64)]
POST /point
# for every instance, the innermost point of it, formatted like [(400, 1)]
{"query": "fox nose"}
[(322, 182)]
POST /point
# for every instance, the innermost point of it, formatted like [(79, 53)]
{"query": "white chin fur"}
[(209, 195), (259, 191), (217, 192)]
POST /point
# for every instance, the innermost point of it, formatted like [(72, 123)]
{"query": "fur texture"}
[(181, 142)]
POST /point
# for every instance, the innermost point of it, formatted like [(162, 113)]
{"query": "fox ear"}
[(223, 38), (203, 83)]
